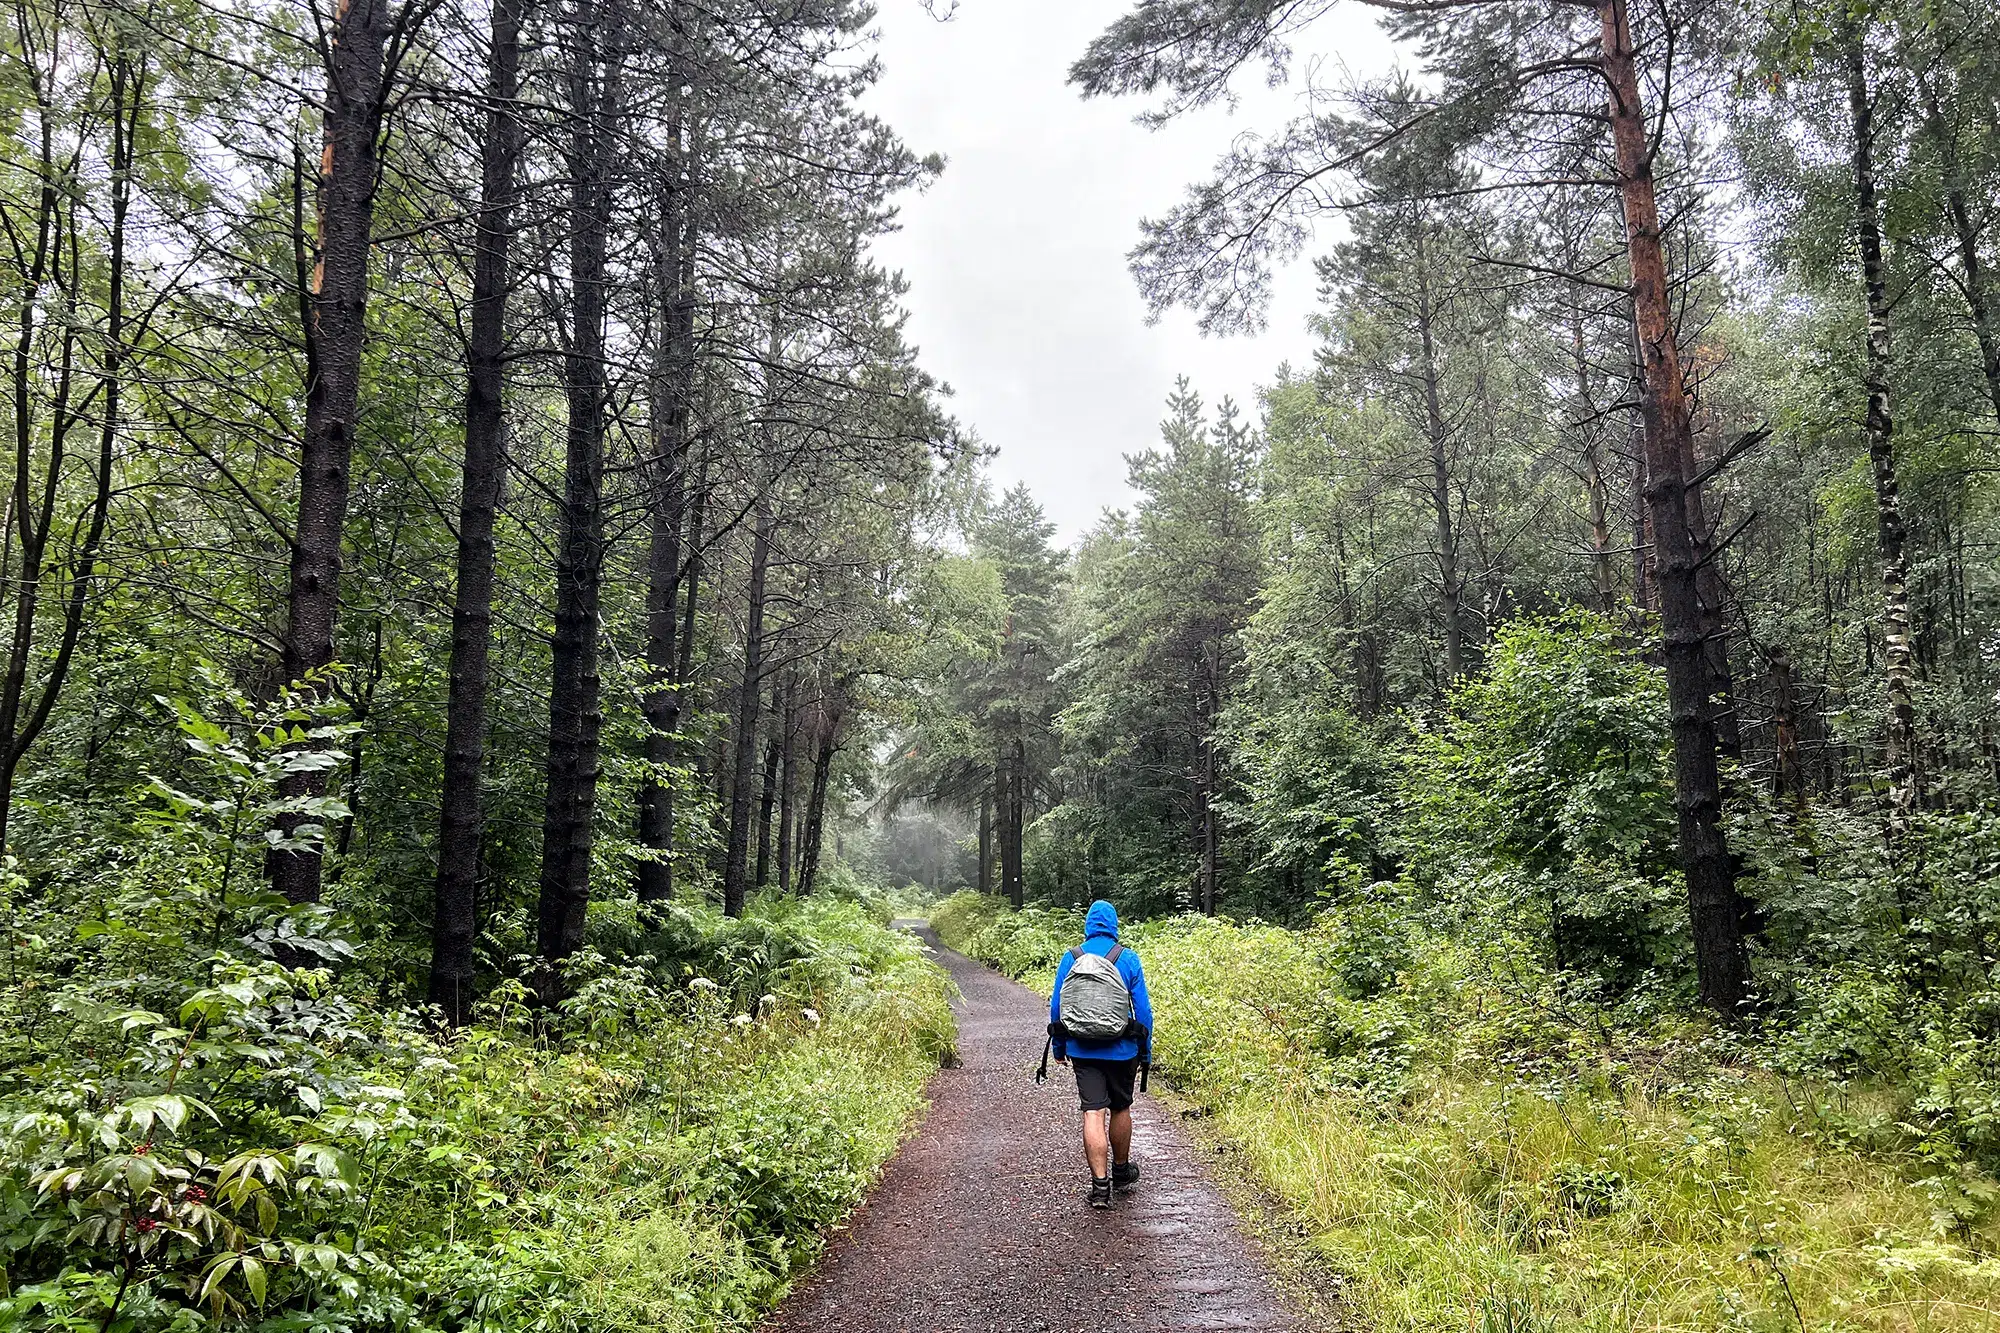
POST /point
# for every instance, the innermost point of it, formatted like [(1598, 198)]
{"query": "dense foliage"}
[(194, 1135)]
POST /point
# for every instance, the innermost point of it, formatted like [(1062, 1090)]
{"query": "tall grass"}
[(1470, 1147)]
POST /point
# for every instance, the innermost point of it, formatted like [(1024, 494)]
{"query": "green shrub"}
[(272, 1150), (963, 915), (1544, 798)]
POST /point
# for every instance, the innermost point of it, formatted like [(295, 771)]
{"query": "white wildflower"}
[(810, 1015), (703, 983), (743, 1020)]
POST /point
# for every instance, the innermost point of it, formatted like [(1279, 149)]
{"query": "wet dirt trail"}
[(980, 1225)]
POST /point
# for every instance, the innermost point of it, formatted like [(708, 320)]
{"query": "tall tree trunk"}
[(672, 394), (659, 700), (1451, 588), (1013, 882), (455, 905), (1645, 572), (986, 841), (1603, 578), (1714, 619), (666, 745), (1721, 960), (788, 781), (337, 319), (1208, 828), (1905, 782), (767, 807), (750, 697), (1207, 709), (1595, 493), (575, 717), (828, 717), (1789, 780)]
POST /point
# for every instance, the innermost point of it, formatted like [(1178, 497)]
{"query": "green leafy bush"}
[(273, 1151), (1544, 797), (961, 916), (194, 1131)]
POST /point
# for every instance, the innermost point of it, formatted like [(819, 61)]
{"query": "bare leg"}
[(1097, 1142), (1121, 1135)]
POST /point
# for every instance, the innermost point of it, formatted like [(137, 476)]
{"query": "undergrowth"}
[(257, 1147), (1475, 1143)]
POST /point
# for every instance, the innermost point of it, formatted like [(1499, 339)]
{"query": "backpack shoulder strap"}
[(1112, 957), (1076, 954)]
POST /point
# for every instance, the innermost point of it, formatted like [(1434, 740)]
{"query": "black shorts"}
[(1102, 1083)]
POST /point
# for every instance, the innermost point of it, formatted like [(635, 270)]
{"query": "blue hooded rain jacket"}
[(1100, 932)]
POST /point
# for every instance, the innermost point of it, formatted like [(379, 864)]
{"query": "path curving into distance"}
[(979, 1224)]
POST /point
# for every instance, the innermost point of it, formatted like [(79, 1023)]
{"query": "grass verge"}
[(1467, 1148)]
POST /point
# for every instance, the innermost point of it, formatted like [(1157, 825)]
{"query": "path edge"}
[(1297, 1269), (1312, 1286)]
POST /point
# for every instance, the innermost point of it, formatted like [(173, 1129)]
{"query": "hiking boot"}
[(1126, 1174), (1100, 1191)]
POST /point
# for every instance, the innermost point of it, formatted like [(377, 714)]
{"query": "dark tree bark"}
[(1713, 596), (1437, 432), (659, 701), (337, 319), (1208, 698), (828, 716), (750, 697), (1789, 779), (767, 807), (1900, 739), (1721, 959), (1595, 492), (1645, 574), (1965, 232), (788, 782), (986, 841), (454, 914), (672, 392), (575, 718), (1209, 866), (663, 746), (1012, 821)]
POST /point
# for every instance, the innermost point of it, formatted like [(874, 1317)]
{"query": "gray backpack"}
[(1095, 1005)]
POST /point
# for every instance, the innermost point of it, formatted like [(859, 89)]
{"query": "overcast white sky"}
[(1020, 295)]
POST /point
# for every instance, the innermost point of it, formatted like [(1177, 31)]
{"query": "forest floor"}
[(980, 1222)]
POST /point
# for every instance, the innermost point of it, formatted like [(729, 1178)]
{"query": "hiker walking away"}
[(1101, 1023)]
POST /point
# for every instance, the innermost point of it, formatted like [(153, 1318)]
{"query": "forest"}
[(498, 618)]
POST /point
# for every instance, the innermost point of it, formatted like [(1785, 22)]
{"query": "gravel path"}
[(980, 1222)]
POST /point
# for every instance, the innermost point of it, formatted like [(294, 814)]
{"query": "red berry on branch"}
[(146, 1224)]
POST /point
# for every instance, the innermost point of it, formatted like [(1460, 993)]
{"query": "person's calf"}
[(1097, 1143), (1121, 1135), (1124, 1171)]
